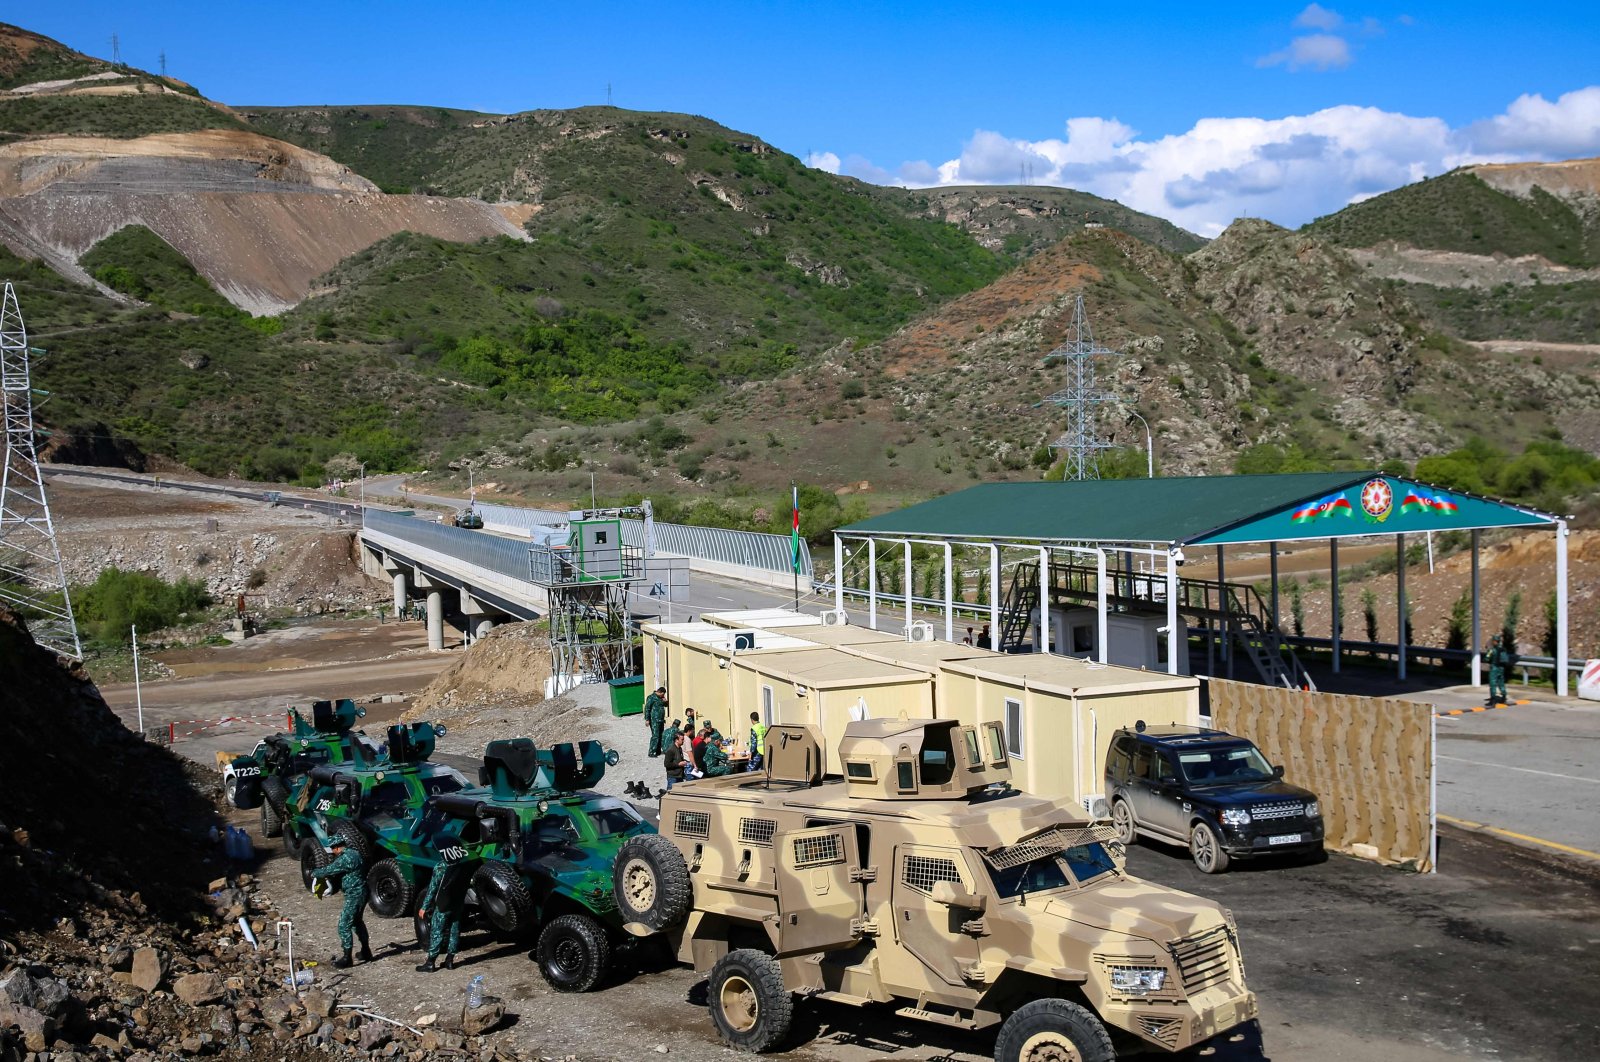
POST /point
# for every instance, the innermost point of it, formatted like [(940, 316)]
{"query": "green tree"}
[(117, 600), (1369, 612), (982, 595), (1513, 617), (1460, 622), (1297, 610), (1548, 643)]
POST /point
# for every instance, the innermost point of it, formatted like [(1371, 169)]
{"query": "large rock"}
[(46, 995), (198, 988), (318, 1003), (37, 1029), (148, 969), (475, 1021)]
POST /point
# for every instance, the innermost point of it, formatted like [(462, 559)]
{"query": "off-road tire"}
[(1122, 822), (292, 841), (312, 857), (651, 882), (749, 1004), (1048, 1029), (275, 793), (354, 839), (1205, 847), (271, 821), (503, 897), (573, 953), (231, 789), (390, 893)]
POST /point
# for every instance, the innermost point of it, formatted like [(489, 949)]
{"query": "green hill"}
[(1460, 212)]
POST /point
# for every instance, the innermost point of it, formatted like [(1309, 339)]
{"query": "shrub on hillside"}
[(117, 600)]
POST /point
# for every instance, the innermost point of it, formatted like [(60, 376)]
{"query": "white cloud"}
[(1315, 51), (1288, 169), (825, 160), (1315, 16)]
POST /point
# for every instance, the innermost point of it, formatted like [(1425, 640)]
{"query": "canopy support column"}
[(1225, 606), (1477, 629), (1561, 608), (1400, 604), (1272, 554), (909, 584), (1100, 585), (1044, 600), (838, 573), (1336, 621), (949, 594), (872, 583), (1172, 615), (994, 597)]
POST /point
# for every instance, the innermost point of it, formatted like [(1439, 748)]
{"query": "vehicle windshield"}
[(1085, 862), (1227, 765), (613, 820)]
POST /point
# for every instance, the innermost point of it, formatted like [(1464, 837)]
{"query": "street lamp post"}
[(363, 486), (1149, 446)]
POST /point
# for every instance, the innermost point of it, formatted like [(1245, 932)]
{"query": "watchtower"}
[(588, 573)]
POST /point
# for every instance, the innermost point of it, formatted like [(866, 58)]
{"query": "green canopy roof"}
[(1198, 510)]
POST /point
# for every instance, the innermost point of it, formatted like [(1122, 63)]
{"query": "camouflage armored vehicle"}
[(922, 880), (265, 777), (546, 843), (357, 801)]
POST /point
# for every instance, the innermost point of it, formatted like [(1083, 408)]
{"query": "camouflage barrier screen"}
[(1369, 761)]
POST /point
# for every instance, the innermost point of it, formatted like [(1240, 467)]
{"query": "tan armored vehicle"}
[(921, 879)]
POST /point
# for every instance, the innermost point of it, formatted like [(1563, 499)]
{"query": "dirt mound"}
[(504, 672), (260, 219), (1572, 179)]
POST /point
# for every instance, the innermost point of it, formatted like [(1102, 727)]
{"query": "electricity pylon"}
[(1081, 398), (32, 580)]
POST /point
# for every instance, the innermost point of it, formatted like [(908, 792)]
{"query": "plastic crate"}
[(627, 695)]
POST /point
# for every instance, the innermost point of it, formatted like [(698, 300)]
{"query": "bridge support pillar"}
[(481, 626), (435, 620), (399, 593)]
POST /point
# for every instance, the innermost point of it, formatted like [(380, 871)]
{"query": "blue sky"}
[(1198, 113)]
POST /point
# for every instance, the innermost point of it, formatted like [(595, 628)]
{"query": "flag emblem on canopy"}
[(1333, 503), (1422, 501)]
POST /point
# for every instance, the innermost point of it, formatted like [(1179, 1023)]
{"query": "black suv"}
[(1209, 789)]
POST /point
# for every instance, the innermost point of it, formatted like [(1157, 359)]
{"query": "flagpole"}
[(794, 494)]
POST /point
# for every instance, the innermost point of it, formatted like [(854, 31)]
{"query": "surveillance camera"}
[(1178, 558)]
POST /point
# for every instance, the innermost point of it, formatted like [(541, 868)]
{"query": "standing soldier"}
[(442, 903), (655, 716), (1499, 659), (347, 867)]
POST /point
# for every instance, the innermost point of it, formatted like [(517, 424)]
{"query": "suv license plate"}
[(1284, 838)]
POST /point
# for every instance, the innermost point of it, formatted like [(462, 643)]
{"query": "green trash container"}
[(627, 695)]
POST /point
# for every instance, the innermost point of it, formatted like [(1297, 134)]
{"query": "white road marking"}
[(1524, 770)]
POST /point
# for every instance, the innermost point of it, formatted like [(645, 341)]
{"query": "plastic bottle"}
[(301, 978), (475, 992)]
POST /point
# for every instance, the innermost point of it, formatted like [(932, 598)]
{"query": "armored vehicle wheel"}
[(358, 842), (275, 793), (271, 821), (292, 841), (1206, 848), (749, 1005), (389, 893), (419, 926), (503, 897), (573, 953), (231, 789), (312, 856), (1053, 1030), (1122, 821), (651, 882)]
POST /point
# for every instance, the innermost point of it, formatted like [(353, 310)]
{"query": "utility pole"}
[(32, 579), (116, 50), (163, 63)]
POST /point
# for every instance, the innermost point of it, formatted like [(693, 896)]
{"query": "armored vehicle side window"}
[(997, 744), (974, 751), (387, 795), (757, 832), (610, 821), (938, 756), (921, 872), (1089, 861), (692, 824), (906, 776), (859, 769), (441, 784), (817, 850)]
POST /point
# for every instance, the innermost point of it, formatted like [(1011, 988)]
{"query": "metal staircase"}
[(1250, 628), (1022, 598)]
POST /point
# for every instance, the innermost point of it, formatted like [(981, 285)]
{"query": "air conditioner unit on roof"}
[(835, 618), (919, 631)]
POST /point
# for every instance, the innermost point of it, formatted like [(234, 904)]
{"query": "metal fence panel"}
[(750, 549)]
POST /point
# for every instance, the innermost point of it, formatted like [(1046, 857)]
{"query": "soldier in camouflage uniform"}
[(716, 757), (655, 715), (349, 868), (441, 905)]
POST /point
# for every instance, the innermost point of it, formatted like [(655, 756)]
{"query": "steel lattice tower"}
[(32, 580), (1082, 398)]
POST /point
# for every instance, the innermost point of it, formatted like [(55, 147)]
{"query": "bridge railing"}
[(503, 556), (749, 549)]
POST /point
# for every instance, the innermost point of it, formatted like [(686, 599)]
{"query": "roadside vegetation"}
[(118, 600)]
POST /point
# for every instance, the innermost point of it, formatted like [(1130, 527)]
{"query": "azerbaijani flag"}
[(1417, 501), (1333, 503), (795, 534)]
